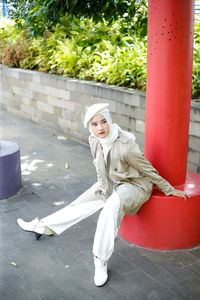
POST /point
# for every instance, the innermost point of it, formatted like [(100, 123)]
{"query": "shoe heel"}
[(37, 236)]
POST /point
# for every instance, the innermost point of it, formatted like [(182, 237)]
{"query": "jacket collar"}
[(121, 137), (95, 144)]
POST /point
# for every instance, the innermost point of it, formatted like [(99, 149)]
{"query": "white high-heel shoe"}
[(101, 273), (35, 226)]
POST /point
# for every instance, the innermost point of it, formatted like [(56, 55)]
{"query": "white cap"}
[(94, 110)]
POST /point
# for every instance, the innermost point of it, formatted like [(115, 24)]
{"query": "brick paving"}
[(61, 267)]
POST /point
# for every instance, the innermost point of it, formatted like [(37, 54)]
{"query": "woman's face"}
[(99, 126)]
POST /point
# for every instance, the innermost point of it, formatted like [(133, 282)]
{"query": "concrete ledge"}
[(60, 103)]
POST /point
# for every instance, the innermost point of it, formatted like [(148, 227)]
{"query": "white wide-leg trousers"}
[(106, 230)]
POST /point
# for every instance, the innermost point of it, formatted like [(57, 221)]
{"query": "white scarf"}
[(108, 141)]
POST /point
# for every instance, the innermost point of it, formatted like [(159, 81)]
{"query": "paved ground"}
[(61, 267)]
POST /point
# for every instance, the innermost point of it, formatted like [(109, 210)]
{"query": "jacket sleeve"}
[(144, 167), (91, 143), (101, 182)]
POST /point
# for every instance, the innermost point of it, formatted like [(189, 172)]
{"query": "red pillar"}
[(169, 79), (168, 222)]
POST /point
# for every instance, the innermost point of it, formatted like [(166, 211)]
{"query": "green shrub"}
[(123, 66), (40, 15), (110, 53), (196, 61), (102, 52), (15, 46)]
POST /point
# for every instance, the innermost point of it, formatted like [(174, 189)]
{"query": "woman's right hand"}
[(179, 193)]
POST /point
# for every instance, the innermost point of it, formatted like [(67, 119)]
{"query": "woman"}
[(125, 180)]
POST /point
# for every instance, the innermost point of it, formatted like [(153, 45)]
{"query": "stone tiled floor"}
[(61, 267)]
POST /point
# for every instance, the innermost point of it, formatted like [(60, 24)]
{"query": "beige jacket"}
[(128, 171)]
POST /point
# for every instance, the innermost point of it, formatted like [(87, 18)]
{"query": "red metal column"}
[(169, 78), (168, 222)]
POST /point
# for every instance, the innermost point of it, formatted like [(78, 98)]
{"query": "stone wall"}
[(59, 104), (194, 138)]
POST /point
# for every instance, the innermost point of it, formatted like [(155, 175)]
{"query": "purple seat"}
[(10, 169)]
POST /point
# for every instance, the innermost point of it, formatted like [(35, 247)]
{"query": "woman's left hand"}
[(180, 193)]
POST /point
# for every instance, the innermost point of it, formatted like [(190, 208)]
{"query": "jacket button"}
[(115, 169)]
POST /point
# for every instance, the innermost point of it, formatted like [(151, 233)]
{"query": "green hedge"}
[(196, 61), (81, 48)]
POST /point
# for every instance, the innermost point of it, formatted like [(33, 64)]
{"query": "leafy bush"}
[(41, 15), (14, 46), (196, 61), (110, 53), (84, 49), (123, 65)]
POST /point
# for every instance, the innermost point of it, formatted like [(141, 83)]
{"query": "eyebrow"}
[(99, 121)]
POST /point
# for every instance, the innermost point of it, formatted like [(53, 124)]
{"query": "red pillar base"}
[(167, 222)]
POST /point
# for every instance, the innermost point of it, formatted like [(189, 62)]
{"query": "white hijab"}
[(108, 141)]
